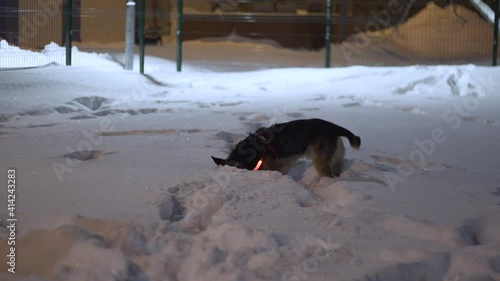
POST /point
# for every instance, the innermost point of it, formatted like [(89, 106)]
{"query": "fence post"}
[(495, 32), (142, 19), (328, 32), (129, 35), (179, 35), (68, 10)]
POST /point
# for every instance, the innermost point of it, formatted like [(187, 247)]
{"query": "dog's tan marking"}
[(337, 158), (327, 156), (281, 164)]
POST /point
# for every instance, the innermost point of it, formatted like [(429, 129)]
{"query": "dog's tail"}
[(354, 140)]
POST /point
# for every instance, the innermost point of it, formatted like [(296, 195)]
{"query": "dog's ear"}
[(219, 161)]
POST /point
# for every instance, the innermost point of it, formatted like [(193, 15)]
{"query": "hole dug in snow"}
[(93, 103)]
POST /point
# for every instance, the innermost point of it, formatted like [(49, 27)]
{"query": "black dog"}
[(279, 146)]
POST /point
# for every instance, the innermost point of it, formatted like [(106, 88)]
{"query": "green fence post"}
[(179, 35), (495, 32), (142, 19), (328, 33), (68, 10)]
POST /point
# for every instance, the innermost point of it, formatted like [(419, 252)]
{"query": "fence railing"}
[(252, 34)]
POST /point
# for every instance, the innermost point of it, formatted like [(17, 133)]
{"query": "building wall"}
[(103, 22), (40, 22)]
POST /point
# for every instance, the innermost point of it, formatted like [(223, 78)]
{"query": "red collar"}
[(261, 159)]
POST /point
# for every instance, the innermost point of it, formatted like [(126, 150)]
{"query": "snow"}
[(14, 57), (115, 179), (485, 11)]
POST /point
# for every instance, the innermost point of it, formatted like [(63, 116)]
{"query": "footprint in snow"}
[(84, 155)]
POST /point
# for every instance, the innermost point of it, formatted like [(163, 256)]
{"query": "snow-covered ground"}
[(115, 179)]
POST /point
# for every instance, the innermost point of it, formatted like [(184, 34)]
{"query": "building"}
[(292, 23)]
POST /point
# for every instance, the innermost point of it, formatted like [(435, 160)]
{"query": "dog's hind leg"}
[(328, 157), (337, 158), (320, 153)]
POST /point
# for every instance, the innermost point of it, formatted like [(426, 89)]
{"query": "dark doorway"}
[(9, 21)]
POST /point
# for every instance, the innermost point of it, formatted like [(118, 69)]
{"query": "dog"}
[(278, 147)]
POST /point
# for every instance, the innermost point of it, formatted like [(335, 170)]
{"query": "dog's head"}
[(246, 154)]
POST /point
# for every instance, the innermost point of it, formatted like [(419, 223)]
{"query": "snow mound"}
[(220, 199), (57, 54), (234, 38), (243, 225), (15, 57), (437, 32)]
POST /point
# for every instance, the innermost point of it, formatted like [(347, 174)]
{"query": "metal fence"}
[(254, 34)]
